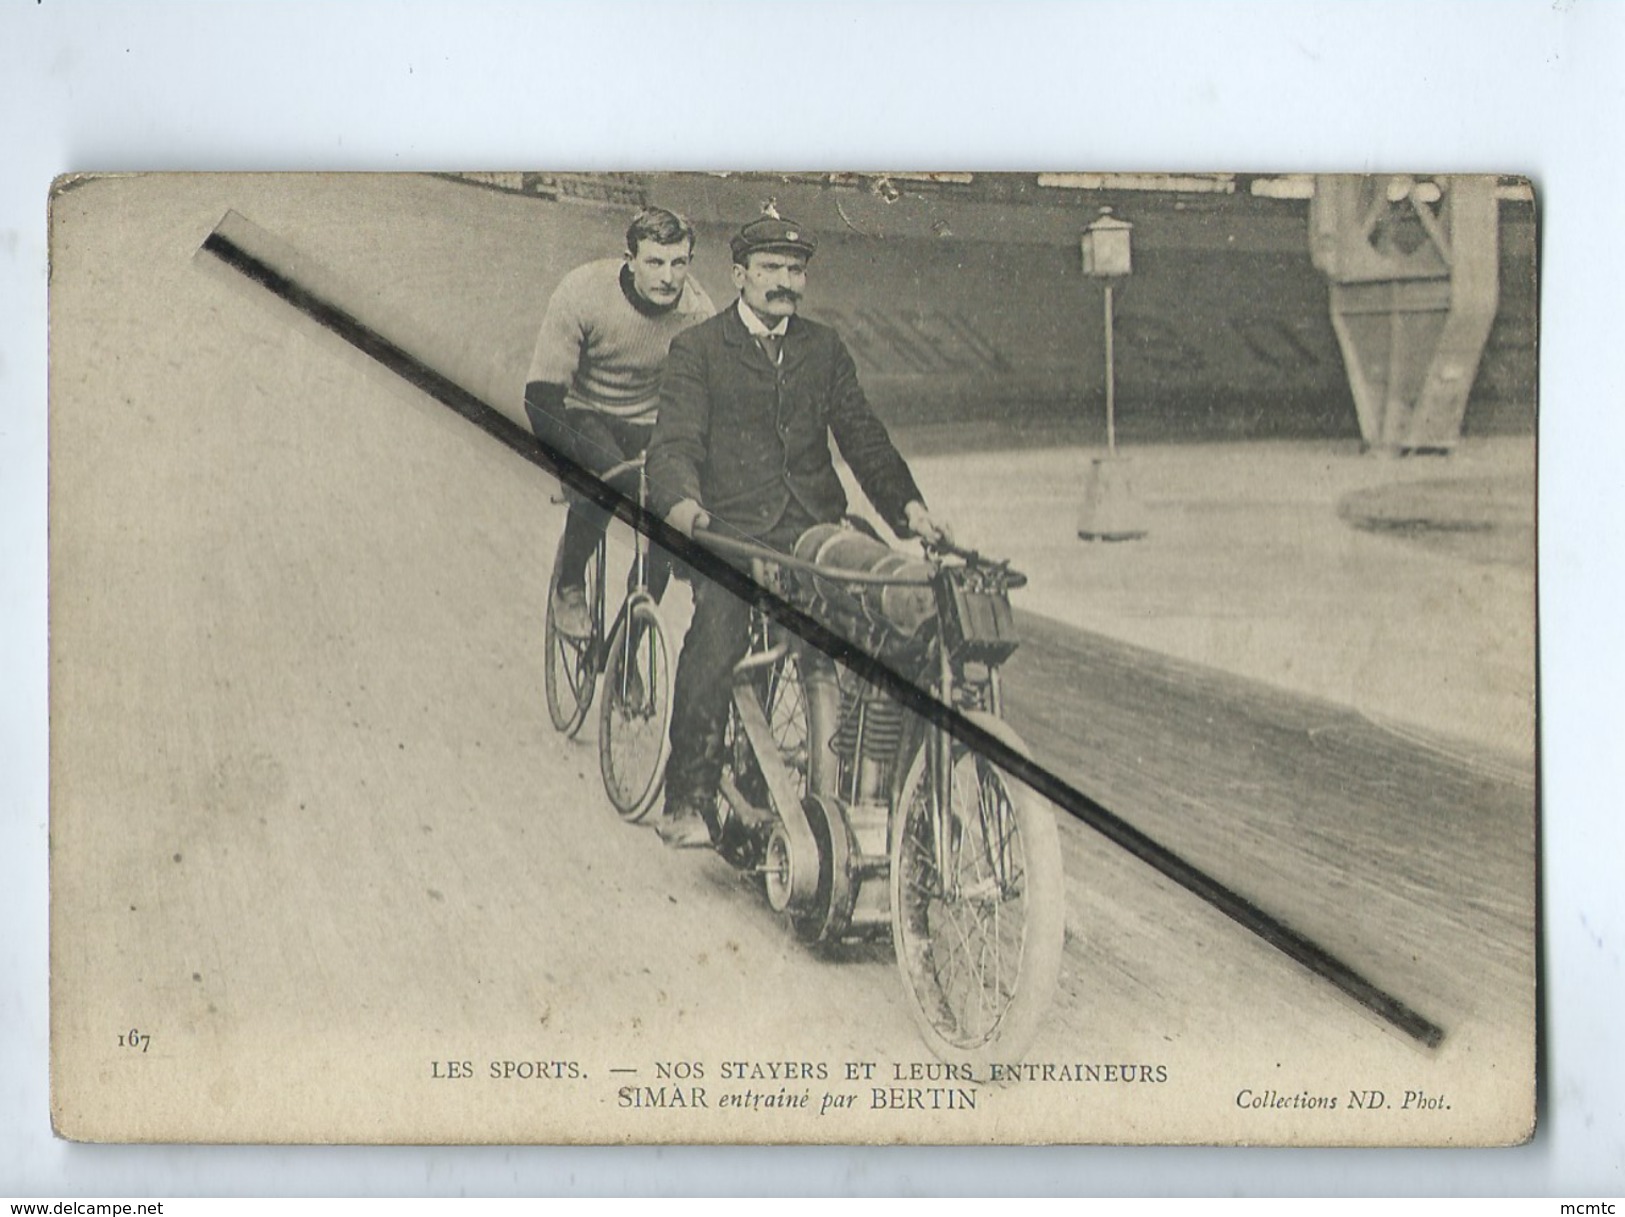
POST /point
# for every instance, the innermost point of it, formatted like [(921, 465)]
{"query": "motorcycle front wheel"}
[(978, 942)]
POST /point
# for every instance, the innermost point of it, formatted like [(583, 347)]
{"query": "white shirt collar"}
[(756, 325)]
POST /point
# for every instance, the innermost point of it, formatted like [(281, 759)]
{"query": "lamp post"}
[(1109, 510)]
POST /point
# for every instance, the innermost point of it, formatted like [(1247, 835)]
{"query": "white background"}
[(1515, 87)]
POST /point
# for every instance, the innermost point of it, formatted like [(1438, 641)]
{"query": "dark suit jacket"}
[(744, 437)]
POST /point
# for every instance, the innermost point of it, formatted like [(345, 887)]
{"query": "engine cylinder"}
[(867, 740)]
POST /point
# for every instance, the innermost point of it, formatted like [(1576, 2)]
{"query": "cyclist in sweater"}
[(594, 380)]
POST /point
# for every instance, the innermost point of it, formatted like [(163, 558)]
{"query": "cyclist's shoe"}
[(684, 826), (570, 616)]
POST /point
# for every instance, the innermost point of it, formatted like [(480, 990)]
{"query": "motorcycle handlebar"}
[(749, 549), (971, 557)]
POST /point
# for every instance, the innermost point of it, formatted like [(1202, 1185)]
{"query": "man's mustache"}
[(783, 293)]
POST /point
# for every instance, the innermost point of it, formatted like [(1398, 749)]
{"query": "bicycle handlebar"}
[(607, 476), (615, 471)]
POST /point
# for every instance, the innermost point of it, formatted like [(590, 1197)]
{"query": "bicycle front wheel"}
[(570, 667), (979, 939), (635, 715)]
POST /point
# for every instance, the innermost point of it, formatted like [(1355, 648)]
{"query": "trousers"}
[(597, 442), (717, 639)]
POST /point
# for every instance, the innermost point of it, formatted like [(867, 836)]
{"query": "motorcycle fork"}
[(950, 829), (941, 760)]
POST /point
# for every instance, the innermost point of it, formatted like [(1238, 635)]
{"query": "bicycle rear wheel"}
[(979, 948), (635, 714), (570, 667)]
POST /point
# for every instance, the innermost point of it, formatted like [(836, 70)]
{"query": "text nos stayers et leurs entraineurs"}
[(821, 1088), (815, 1087)]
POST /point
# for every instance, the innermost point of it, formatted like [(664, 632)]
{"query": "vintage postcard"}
[(1095, 703)]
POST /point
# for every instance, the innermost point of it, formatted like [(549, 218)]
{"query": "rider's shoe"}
[(570, 616), (684, 826)]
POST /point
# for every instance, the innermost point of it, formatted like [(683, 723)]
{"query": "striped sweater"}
[(605, 350)]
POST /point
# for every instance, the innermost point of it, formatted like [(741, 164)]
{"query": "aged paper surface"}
[(322, 869)]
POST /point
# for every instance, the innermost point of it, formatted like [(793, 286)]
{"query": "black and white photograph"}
[(844, 657)]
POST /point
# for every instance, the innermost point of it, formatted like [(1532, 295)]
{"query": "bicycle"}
[(635, 661), (861, 819)]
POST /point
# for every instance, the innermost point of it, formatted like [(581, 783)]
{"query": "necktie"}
[(771, 344)]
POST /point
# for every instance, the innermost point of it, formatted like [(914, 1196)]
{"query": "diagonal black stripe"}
[(1284, 938)]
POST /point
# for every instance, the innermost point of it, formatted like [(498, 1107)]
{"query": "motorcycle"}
[(862, 820)]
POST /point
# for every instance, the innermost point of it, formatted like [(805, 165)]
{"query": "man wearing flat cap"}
[(748, 402)]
